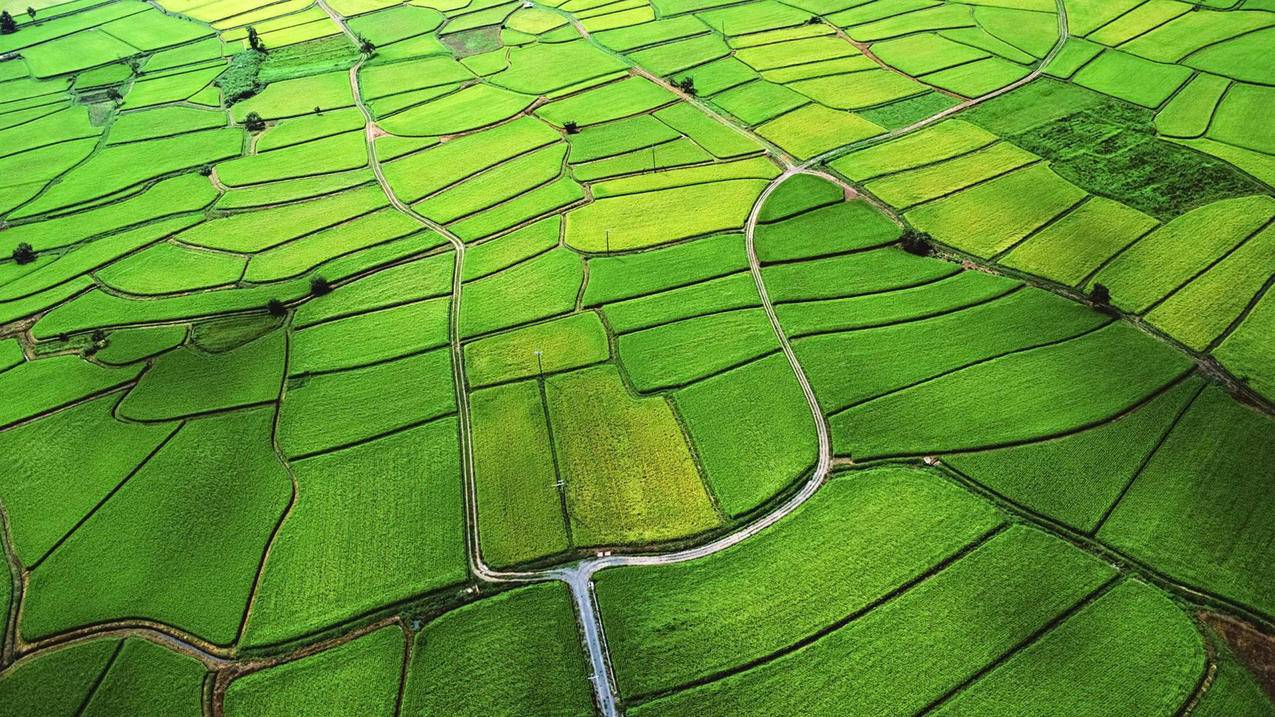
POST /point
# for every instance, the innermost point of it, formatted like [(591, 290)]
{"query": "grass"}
[(979, 607), (122, 562), (674, 354), (906, 189), (1102, 658), (630, 275), (891, 305), (358, 677), (424, 278), (511, 654), (850, 275), (941, 141), (122, 166), (163, 122), (402, 496), (541, 287), (379, 228), (1110, 149), (361, 339), (1079, 242), (148, 271), (1180, 249), (813, 129), (557, 345), (1197, 494), (467, 109), (1189, 112), (520, 511), (627, 470), (752, 168), (1200, 312), (628, 97), (618, 137), (721, 142), (498, 184), (1246, 351), (84, 439), (1239, 119), (734, 291), (418, 175), (636, 221), (1233, 691), (1075, 479), (973, 334), (356, 400), (147, 677), (797, 195), (129, 345), (189, 382), (338, 153), (59, 680), (989, 218), (62, 381), (668, 625), (1091, 378), (752, 432), (248, 232)]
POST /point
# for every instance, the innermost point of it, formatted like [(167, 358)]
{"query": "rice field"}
[(637, 357)]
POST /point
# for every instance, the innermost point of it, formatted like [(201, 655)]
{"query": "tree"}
[(23, 253), (319, 286), (7, 25), (571, 127), (687, 85), (366, 46), (254, 40), (1100, 295), (254, 123), (276, 308), (918, 243), (113, 94), (205, 170), (31, 12)]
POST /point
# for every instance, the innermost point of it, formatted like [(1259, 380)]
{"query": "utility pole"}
[(539, 365), (608, 241)]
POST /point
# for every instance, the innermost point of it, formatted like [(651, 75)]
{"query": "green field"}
[(762, 358)]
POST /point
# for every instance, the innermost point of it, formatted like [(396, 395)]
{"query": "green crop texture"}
[(606, 358)]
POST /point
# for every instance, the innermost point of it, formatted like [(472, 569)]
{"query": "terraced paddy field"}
[(637, 357)]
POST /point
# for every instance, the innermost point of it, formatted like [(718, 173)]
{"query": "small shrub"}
[(254, 123), (814, 20), (319, 286), (276, 308), (205, 170), (918, 243), (23, 253), (571, 127), (1100, 295), (31, 12)]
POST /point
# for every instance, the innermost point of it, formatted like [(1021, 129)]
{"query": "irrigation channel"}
[(578, 576)]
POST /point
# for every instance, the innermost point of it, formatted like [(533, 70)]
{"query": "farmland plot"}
[(341, 342)]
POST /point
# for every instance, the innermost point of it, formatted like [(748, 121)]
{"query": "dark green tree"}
[(319, 286), (7, 25), (918, 243), (23, 253), (1100, 295), (276, 308), (254, 123), (254, 40), (571, 127)]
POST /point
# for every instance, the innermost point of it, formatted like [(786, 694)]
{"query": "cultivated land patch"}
[(641, 357)]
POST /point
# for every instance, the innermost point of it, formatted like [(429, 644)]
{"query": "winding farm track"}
[(579, 576)]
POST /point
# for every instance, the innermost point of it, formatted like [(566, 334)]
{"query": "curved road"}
[(579, 576)]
